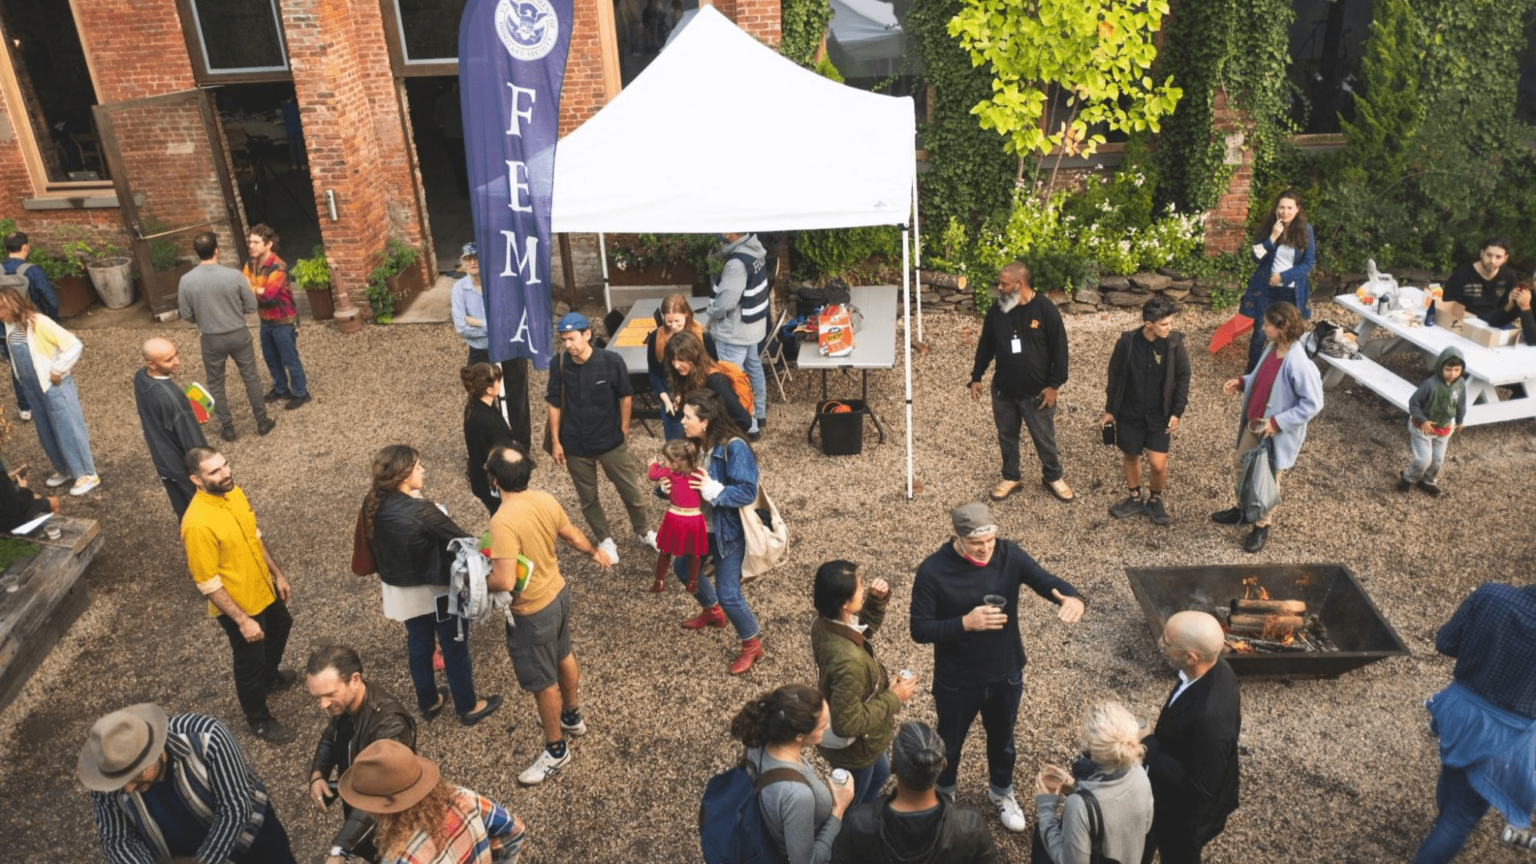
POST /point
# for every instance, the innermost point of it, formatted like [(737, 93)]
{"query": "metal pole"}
[(906, 302), (602, 255), (917, 251)]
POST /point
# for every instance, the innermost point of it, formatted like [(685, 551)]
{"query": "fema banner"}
[(511, 65)]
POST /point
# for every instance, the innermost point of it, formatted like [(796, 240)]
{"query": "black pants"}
[(256, 662), (998, 705), (514, 379), (1174, 837), (271, 843), (180, 492)]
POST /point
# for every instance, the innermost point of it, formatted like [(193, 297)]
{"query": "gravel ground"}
[(1332, 770)]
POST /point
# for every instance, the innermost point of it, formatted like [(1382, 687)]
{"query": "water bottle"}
[(841, 777)]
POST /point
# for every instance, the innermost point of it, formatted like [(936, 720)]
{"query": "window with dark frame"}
[(55, 86), (1525, 99), (1327, 41), (428, 30), (239, 37)]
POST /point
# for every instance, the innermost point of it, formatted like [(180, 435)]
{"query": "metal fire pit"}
[(1353, 623)]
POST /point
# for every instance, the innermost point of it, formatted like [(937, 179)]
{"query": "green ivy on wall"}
[(804, 23)]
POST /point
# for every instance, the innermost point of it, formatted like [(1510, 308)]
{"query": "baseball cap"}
[(973, 520), (573, 321), (469, 251)]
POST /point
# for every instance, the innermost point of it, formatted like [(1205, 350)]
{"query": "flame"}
[(1240, 646), (1274, 632), (1252, 590)]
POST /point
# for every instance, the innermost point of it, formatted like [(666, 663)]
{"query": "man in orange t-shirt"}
[(539, 638)]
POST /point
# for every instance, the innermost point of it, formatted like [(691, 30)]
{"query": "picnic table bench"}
[(1486, 370), (40, 597)]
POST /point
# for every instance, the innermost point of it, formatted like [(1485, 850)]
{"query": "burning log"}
[(1269, 607), (1265, 623), (1251, 645)]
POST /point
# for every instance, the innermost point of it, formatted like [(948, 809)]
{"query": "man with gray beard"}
[(1024, 334)]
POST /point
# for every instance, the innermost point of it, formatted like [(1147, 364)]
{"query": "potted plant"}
[(395, 282), (111, 273), (314, 275), (67, 275)]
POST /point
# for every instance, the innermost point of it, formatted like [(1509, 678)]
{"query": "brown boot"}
[(751, 649), (711, 617)]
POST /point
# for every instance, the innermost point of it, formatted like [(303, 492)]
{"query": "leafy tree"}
[(1061, 67)]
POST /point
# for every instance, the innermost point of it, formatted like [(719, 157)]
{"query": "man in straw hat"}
[(165, 787), (962, 604), (423, 820)]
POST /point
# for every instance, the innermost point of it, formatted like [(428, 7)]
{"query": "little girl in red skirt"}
[(682, 533)]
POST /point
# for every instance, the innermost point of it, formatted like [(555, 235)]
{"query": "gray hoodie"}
[(1418, 404), (725, 309)]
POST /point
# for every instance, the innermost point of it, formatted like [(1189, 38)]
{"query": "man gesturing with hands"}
[(962, 602)]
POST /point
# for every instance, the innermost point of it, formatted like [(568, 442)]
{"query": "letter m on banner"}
[(511, 65)]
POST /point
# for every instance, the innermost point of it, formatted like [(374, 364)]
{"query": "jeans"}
[(236, 344), (671, 425), (751, 362), (514, 382), (1009, 414), (621, 472), (59, 421), (280, 348), (21, 396), (725, 588), (457, 666), (867, 781), (256, 662), (1428, 455), (1461, 808), (998, 704)]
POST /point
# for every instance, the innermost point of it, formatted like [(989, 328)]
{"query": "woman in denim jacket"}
[(727, 482), (1284, 252)]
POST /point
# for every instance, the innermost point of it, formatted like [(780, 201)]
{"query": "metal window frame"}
[(400, 61), (197, 52)]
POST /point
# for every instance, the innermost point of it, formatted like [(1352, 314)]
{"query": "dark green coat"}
[(856, 687)]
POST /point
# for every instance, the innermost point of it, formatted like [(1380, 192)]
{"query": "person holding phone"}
[(408, 536), (1285, 251)]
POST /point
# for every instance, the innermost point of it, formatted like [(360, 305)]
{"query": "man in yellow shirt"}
[(247, 593), (527, 523)]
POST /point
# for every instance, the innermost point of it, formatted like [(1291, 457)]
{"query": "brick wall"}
[(583, 93), (759, 18), (1225, 230)]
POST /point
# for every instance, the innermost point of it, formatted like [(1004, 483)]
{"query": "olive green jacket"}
[(856, 687)]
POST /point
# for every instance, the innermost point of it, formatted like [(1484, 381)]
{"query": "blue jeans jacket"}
[(734, 466)]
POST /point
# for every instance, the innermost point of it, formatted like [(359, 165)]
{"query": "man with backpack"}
[(589, 398), (738, 314), (39, 291)]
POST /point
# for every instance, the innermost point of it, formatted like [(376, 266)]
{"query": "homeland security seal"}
[(528, 28)]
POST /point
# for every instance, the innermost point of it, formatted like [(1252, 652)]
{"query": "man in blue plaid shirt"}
[(1486, 718)]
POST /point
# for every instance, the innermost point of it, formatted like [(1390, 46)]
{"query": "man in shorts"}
[(1148, 390), (539, 640)]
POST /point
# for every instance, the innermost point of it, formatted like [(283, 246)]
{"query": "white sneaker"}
[(85, 484), (1009, 811), (650, 540), (546, 766), (54, 481), (580, 728), (26, 416), (610, 549)]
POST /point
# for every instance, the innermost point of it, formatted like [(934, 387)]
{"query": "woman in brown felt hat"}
[(423, 820)]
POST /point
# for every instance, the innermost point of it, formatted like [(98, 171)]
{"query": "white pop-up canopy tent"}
[(866, 39), (720, 134)]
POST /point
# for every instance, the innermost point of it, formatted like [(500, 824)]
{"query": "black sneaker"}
[(1429, 487), (1230, 516), (285, 679), (228, 433), (1131, 506), (297, 402), (1156, 512), (274, 395), (1256, 539), (272, 732), (266, 426), (1404, 484)]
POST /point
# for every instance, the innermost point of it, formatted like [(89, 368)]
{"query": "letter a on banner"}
[(511, 65)]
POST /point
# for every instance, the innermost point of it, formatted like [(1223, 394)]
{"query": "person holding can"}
[(863, 697)]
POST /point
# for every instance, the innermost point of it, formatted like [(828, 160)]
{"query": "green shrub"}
[(853, 254)]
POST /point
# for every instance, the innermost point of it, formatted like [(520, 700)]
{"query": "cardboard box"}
[(1449, 314), (1474, 330)]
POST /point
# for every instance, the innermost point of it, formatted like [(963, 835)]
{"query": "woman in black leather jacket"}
[(408, 536)]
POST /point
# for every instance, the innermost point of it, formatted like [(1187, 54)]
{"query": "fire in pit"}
[(1295, 621)]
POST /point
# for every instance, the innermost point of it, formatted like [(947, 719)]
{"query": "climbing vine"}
[(804, 23)]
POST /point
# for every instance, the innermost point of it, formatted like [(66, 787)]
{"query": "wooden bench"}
[(1376, 377), (45, 596)]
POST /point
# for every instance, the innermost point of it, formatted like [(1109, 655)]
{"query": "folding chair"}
[(773, 354)]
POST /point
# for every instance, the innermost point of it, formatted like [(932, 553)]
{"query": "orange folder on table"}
[(1237, 326)]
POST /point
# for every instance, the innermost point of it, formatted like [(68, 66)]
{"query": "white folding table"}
[(874, 347)]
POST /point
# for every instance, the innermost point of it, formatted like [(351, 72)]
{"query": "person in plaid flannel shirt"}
[(279, 316)]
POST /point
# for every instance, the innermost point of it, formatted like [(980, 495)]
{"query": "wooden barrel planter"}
[(405, 286)]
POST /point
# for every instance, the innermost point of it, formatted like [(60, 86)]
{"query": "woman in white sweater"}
[(1110, 773), (42, 355)]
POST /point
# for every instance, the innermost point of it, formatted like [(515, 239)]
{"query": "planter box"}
[(322, 306), (75, 295), (406, 286)]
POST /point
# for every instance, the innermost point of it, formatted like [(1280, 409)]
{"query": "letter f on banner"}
[(511, 65)]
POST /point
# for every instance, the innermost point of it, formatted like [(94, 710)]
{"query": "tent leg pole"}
[(602, 255), (906, 302), (917, 253)]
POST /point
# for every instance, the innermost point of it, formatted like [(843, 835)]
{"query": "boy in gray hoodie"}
[(1436, 410)]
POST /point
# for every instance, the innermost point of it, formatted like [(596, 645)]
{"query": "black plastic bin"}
[(842, 433)]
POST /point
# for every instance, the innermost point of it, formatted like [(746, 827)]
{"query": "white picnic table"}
[(1487, 369)]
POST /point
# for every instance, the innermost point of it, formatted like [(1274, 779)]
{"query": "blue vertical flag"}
[(511, 65)]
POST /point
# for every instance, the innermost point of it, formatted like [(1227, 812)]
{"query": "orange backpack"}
[(739, 383)]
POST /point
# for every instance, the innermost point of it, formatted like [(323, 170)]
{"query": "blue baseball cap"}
[(573, 321)]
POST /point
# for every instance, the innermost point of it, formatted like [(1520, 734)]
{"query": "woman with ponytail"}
[(485, 426), (1110, 773), (802, 818), (408, 536)]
